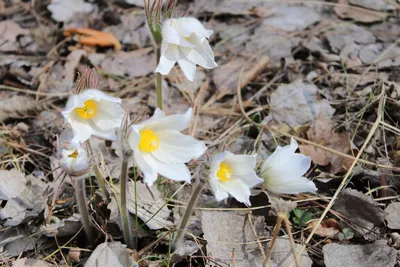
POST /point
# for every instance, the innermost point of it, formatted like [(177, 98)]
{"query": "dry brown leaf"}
[(358, 13), (322, 134), (226, 77), (327, 228), (27, 262), (17, 106), (92, 37), (9, 31)]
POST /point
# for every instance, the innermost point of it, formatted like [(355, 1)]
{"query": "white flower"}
[(92, 112), (74, 159), (185, 41), (283, 171), (233, 174), (159, 147)]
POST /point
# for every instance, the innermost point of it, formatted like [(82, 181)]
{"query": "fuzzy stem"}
[(80, 194), (159, 80), (100, 178), (179, 234), (124, 210)]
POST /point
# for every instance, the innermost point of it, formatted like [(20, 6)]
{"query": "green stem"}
[(136, 208), (159, 80), (124, 210), (179, 234), (81, 200), (100, 178)]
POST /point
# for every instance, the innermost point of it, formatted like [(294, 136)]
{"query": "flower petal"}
[(177, 148), (219, 193), (241, 164), (170, 33), (109, 115), (147, 168), (176, 172), (176, 122), (188, 68), (168, 59), (188, 25), (250, 179), (84, 133), (217, 159), (281, 156), (238, 190), (292, 186), (201, 55)]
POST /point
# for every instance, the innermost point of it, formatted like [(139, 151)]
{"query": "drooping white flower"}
[(159, 147), (185, 40), (233, 174), (74, 159), (92, 112), (283, 171)]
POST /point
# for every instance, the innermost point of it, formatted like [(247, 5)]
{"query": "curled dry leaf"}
[(322, 134), (111, 254), (92, 37), (327, 228), (24, 262), (9, 32), (358, 13), (393, 218)]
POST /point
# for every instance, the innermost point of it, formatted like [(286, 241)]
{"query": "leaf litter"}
[(314, 71)]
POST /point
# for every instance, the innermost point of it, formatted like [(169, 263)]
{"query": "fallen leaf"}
[(26, 196), (226, 77), (70, 66), (92, 37), (279, 205), (150, 205), (370, 255), (380, 5), (126, 63), (372, 52), (282, 254), (362, 220), (346, 11), (17, 106), (298, 103), (14, 240), (328, 228), (112, 254), (394, 240), (9, 32), (393, 218), (229, 7), (322, 134), (64, 10), (228, 232), (26, 262)]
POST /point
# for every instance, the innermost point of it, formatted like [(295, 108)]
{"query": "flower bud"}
[(74, 159)]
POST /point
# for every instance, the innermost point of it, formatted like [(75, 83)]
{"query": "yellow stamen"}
[(149, 141), (74, 154), (88, 111), (224, 172), (187, 38)]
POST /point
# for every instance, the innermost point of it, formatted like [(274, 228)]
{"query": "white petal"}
[(294, 186), (168, 59), (177, 172), (177, 148), (238, 190), (147, 168), (133, 138), (219, 193), (241, 164), (250, 179), (216, 161), (176, 122), (187, 25), (188, 68), (201, 55), (109, 115), (82, 131), (98, 95), (281, 156), (169, 32)]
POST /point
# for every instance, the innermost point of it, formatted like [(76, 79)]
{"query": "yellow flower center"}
[(224, 172), (73, 154), (187, 38), (149, 141), (88, 111)]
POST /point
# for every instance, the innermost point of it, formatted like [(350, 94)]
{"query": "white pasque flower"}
[(233, 174), (283, 171), (159, 147), (74, 159), (92, 112), (184, 40)]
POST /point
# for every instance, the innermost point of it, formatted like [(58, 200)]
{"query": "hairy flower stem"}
[(159, 80), (179, 234), (124, 210), (100, 178), (80, 194)]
